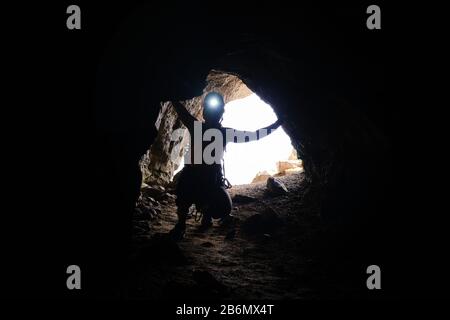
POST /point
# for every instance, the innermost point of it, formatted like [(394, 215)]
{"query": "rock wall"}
[(319, 68)]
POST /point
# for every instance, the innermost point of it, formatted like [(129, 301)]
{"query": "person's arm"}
[(185, 117), (241, 136)]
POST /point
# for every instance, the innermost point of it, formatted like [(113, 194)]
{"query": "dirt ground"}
[(266, 253)]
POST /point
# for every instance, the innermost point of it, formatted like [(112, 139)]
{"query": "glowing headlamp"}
[(213, 100)]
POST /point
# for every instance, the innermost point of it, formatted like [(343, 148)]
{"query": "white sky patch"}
[(244, 160)]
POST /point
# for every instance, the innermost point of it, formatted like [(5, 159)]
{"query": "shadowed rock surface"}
[(309, 64), (274, 249)]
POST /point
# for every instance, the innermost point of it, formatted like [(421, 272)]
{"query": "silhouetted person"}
[(201, 183)]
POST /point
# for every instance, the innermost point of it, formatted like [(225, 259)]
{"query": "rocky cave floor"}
[(269, 251)]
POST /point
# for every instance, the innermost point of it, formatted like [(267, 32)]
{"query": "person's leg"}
[(177, 233), (224, 206), (223, 202), (206, 219), (218, 205)]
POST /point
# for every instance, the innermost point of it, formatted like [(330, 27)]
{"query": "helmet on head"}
[(213, 107)]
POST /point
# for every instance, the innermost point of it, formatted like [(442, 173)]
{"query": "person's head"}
[(213, 107)]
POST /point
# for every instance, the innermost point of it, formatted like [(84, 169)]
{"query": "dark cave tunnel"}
[(312, 72)]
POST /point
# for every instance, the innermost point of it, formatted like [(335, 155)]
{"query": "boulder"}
[(289, 164), (154, 192), (261, 176), (276, 187), (262, 223)]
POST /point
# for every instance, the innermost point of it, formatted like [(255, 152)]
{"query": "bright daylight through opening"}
[(243, 161)]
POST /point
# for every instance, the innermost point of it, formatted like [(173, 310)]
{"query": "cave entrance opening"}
[(244, 162), (257, 160)]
